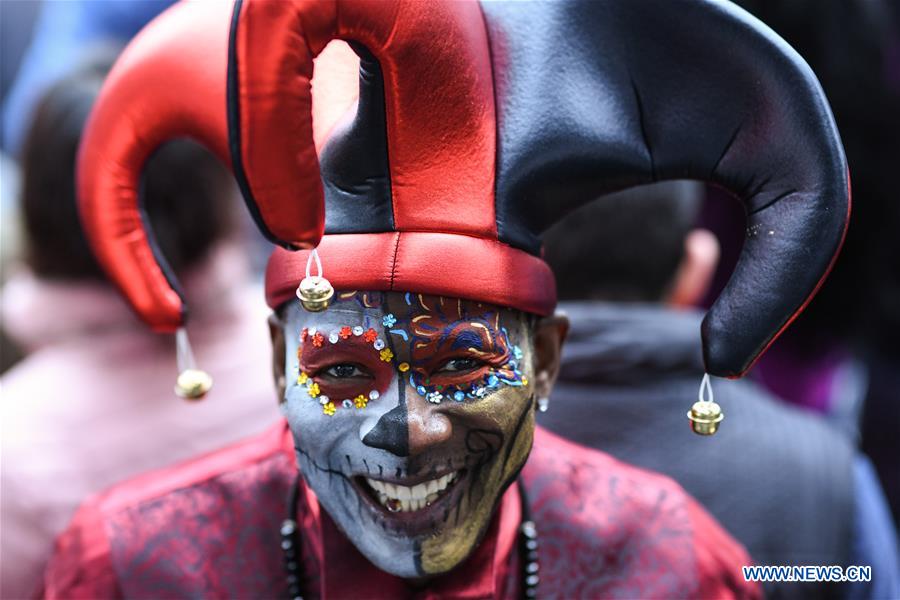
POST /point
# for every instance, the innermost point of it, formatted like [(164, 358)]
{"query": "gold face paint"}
[(501, 428)]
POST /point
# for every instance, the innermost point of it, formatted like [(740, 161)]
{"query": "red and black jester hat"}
[(478, 126)]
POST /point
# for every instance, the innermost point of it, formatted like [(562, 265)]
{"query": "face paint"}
[(348, 370), (455, 334), (412, 474)]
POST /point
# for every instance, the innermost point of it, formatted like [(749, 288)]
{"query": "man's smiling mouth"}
[(413, 506), (400, 498)]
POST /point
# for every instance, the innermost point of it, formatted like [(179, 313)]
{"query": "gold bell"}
[(193, 384), (705, 417), (315, 293)]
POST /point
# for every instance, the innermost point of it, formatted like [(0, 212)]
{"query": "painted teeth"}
[(400, 498)]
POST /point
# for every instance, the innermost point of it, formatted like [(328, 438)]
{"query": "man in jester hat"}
[(424, 339)]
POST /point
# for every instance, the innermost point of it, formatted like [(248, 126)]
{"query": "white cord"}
[(704, 383), (184, 356), (314, 256)]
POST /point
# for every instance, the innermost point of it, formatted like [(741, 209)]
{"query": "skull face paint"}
[(411, 472)]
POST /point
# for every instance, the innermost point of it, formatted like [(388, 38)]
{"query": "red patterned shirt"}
[(210, 528)]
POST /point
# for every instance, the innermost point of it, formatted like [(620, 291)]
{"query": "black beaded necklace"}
[(527, 541)]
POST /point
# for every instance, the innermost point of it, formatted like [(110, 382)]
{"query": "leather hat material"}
[(478, 125)]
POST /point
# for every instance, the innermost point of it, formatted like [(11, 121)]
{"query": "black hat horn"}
[(596, 96)]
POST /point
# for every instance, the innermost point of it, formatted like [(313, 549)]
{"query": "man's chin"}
[(408, 561), (394, 533)]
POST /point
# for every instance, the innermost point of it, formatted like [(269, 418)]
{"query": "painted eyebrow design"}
[(363, 299)]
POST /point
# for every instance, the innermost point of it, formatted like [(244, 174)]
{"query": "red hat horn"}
[(270, 67), (169, 83)]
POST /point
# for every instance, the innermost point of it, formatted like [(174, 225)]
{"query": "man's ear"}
[(696, 271), (549, 335), (276, 332)]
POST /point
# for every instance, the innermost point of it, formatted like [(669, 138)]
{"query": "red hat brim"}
[(441, 264)]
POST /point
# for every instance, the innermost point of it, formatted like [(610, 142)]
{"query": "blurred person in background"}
[(17, 20), (40, 43), (62, 31), (841, 356), (629, 267), (94, 378)]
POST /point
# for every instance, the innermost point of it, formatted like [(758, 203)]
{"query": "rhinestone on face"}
[(358, 330), (323, 400), (333, 338), (347, 403), (373, 395), (379, 344)]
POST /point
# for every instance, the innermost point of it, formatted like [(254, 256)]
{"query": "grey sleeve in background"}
[(874, 537)]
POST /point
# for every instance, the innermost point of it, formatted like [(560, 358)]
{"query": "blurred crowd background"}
[(70, 347)]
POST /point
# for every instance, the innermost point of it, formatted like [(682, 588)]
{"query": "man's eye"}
[(455, 365), (345, 371)]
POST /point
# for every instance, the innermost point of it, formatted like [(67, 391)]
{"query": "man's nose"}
[(410, 428), (428, 426)]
